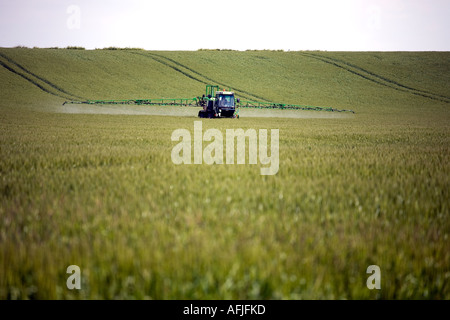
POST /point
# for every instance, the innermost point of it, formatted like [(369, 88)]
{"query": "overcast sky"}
[(340, 25)]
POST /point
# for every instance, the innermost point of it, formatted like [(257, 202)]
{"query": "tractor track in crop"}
[(160, 59), (395, 83), (4, 65), (28, 76), (172, 67), (249, 95), (373, 77)]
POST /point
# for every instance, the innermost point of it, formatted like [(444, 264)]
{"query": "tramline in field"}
[(215, 103)]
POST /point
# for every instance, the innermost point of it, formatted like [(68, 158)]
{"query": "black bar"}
[(224, 309)]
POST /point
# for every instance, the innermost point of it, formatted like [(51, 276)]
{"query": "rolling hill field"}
[(94, 185)]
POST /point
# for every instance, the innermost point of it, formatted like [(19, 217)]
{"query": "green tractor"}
[(218, 103)]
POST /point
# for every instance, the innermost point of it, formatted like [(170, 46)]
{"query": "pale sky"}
[(333, 25)]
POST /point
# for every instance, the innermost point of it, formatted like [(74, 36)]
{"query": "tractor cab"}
[(225, 103), (217, 104)]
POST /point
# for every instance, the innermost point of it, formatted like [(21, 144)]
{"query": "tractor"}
[(217, 103)]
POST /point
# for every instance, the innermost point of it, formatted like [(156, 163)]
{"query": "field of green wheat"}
[(95, 186)]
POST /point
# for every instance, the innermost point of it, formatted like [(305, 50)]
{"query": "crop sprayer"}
[(215, 103)]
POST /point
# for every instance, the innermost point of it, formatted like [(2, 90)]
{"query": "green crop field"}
[(94, 185)]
